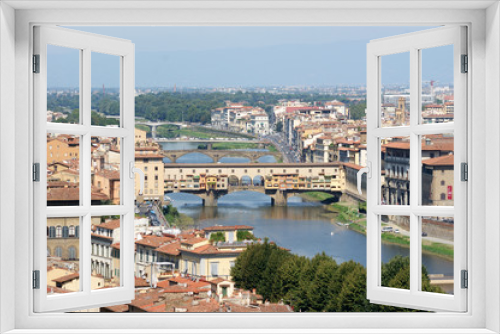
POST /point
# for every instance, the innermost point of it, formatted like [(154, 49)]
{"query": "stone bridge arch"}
[(216, 155)]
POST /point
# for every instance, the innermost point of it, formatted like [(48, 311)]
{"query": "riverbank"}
[(173, 131), (348, 213)]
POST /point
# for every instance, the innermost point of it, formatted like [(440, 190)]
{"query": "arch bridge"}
[(216, 155), (279, 181), (154, 125)]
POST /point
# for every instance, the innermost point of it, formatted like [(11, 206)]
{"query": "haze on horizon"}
[(240, 57)]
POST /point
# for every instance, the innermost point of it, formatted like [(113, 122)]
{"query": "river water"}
[(306, 228)]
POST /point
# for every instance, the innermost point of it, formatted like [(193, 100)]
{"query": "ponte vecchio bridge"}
[(277, 180)]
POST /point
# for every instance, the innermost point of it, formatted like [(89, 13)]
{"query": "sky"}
[(245, 56)]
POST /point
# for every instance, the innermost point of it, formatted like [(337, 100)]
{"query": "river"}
[(306, 228)]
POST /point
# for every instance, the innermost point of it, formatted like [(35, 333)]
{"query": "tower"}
[(401, 112)]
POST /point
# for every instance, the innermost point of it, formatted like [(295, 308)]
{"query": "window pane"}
[(63, 255), (105, 252), (63, 84), (395, 253), (437, 169), (105, 89), (437, 84), (395, 183), (437, 254), (395, 90), (105, 169), (63, 169)]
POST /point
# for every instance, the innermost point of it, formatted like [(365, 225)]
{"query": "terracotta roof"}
[(140, 282), (181, 281), (170, 249), (193, 241), (156, 309), (218, 280), (353, 166), (116, 308), (110, 225), (204, 306), (53, 289), (228, 228), (148, 156), (210, 249), (445, 160), (181, 289), (153, 241), (70, 194), (66, 278), (109, 174)]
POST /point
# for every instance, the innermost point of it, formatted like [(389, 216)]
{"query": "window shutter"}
[(65, 232)]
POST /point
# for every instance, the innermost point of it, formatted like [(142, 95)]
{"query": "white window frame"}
[(412, 44), (482, 316), (86, 44)]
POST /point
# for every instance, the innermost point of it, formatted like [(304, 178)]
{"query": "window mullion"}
[(415, 78)]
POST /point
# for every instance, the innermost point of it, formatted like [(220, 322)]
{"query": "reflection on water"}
[(305, 228)]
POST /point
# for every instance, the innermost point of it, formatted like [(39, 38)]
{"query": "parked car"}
[(424, 234)]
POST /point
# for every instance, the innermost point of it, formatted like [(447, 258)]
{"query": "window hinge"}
[(465, 64), (465, 279), (36, 63), (464, 171), (36, 172), (36, 279)]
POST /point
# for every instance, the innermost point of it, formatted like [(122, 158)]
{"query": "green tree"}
[(358, 111), (217, 237), (279, 126)]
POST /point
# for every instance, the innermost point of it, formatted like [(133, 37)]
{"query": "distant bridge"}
[(210, 141), (277, 180), (216, 155), (154, 125)]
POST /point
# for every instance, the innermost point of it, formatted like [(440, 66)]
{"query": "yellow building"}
[(140, 136), (108, 181), (62, 148), (150, 161), (200, 258)]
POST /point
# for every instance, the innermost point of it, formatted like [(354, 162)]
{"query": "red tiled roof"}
[(153, 241), (66, 278), (140, 282), (70, 194), (109, 174), (170, 249), (110, 225), (353, 166), (116, 308), (148, 156), (210, 249), (193, 241), (445, 160)]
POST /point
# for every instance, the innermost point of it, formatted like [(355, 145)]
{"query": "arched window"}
[(58, 252), (65, 232), (72, 231), (59, 232), (72, 253), (443, 197)]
